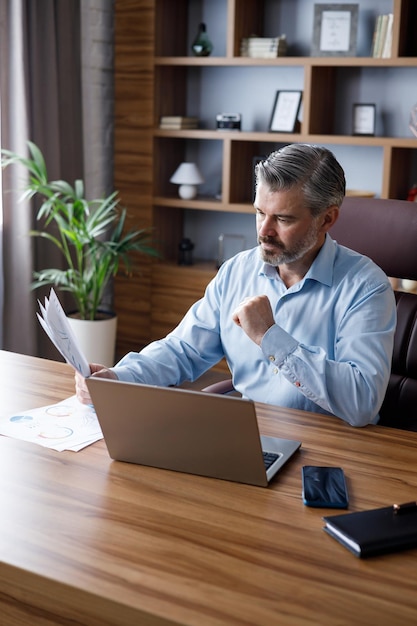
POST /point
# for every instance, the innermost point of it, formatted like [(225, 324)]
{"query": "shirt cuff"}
[(277, 345), (123, 373)]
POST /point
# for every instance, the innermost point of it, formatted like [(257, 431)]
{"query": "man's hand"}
[(81, 390), (254, 316)]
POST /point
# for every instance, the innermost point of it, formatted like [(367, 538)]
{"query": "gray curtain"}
[(41, 100)]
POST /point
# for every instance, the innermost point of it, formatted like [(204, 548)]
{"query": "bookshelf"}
[(156, 75)]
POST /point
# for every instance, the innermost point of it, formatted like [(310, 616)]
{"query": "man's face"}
[(287, 232)]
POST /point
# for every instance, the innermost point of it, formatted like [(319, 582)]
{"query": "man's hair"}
[(313, 169)]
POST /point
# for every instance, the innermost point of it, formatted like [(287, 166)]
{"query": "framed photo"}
[(228, 246), (335, 30), (285, 111), (364, 119)]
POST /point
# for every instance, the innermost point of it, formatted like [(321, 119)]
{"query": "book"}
[(386, 49), (376, 36), (178, 119), (178, 122), (177, 126), (263, 47), (382, 37), (375, 531)]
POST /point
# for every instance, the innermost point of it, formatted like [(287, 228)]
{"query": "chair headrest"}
[(384, 230)]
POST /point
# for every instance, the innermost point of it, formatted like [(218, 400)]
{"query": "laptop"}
[(187, 431)]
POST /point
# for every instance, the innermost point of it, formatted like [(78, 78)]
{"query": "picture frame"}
[(335, 29), (285, 111), (228, 246), (363, 119)]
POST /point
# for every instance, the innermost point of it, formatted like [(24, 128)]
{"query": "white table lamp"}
[(187, 176)]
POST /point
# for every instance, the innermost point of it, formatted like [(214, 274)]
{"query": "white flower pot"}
[(96, 338)]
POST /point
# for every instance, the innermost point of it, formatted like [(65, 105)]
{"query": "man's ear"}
[(330, 217)]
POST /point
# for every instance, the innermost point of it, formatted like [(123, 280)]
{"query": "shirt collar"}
[(320, 270), (322, 267)]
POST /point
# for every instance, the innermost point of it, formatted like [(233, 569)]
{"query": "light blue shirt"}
[(329, 350)]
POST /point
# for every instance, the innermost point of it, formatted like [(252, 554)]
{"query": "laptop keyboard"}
[(269, 458)]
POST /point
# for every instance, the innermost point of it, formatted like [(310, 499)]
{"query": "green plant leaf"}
[(90, 234)]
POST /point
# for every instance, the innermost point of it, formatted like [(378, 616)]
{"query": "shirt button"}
[(275, 370), (297, 383), (271, 357)]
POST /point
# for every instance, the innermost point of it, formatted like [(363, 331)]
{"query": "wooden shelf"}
[(267, 137), (286, 62), (204, 205)]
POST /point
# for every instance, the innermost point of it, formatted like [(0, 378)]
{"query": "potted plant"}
[(88, 233)]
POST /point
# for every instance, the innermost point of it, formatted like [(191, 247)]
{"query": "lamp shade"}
[(187, 176)]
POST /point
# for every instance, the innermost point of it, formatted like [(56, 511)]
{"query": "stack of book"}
[(382, 38), (263, 47), (178, 122)]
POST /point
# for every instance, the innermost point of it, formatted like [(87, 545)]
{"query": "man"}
[(302, 321)]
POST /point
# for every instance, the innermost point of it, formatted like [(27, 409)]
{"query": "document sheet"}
[(67, 425), (55, 324)]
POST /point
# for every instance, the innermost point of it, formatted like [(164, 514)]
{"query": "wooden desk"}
[(84, 540)]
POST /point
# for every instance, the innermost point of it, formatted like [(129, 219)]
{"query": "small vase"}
[(185, 248), (96, 338), (202, 45)]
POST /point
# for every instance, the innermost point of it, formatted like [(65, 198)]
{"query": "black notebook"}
[(377, 531)]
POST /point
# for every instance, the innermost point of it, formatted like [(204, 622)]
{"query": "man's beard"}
[(282, 255)]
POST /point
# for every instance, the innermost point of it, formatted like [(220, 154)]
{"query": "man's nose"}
[(268, 227)]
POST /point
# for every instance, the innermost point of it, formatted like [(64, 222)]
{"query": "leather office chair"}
[(385, 231)]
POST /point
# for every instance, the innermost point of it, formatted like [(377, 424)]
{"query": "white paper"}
[(55, 324), (335, 31), (66, 425)]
